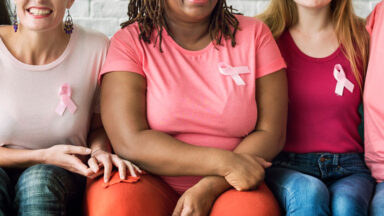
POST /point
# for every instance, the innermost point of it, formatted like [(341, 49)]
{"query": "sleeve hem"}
[(271, 68)]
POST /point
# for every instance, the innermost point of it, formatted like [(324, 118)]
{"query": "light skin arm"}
[(266, 142)]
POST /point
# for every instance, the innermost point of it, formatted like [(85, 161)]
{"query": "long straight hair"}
[(349, 28), (4, 13)]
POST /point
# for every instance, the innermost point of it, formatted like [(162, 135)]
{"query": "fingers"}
[(92, 163), (130, 167), (137, 168), (179, 207), (187, 211), (70, 149), (78, 166), (120, 165), (265, 164), (107, 163)]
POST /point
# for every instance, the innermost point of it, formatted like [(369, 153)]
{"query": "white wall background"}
[(106, 15)]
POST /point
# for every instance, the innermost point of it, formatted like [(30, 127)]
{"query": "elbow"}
[(128, 147)]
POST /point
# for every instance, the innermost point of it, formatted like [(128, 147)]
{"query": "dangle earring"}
[(15, 24), (68, 24)]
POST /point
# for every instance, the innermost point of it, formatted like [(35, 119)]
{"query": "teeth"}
[(38, 12)]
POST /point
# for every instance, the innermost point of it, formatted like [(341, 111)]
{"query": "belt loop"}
[(335, 159)]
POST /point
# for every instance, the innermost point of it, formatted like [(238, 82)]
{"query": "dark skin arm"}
[(266, 142), (123, 97)]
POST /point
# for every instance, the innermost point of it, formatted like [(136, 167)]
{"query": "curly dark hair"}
[(4, 13), (149, 14)]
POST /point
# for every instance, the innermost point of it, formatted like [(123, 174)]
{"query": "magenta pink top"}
[(373, 96), (319, 120), (205, 97)]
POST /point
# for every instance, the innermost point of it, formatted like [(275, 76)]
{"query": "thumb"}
[(265, 164)]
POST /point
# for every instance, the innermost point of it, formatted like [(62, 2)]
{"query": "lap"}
[(256, 202), (149, 196)]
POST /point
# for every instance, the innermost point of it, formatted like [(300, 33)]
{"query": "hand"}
[(196, 201), (246, 171), (64, 156), (101, 158)]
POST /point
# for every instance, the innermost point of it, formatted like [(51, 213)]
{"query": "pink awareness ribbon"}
[(342, 80), (65, 100), (234, 72)]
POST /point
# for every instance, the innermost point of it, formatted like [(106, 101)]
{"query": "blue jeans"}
[(40, 190), (377, 205), (321, 184)]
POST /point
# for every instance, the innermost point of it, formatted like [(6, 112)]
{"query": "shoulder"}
[(252, 25), (92, 38), (5, 31), (130, 32)]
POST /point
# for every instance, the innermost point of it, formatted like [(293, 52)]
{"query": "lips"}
[(199, 1)]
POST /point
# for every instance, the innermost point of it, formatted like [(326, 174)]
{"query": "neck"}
[(38, 48), (190, 35), (312, 20)]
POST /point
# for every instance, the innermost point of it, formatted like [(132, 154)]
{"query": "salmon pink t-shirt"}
[(373, 96), (188, 96), (319, 120)]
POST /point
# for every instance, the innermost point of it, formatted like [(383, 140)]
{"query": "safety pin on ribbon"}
[(342, 80), (234, 72), (65, 100)]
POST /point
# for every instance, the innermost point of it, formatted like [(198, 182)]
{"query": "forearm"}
[(162, 154), (19, 158)]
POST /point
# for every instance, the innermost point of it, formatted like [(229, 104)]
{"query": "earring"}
[(68, 24), (15, 24)]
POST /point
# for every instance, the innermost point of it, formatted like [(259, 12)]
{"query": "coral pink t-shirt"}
[(187, 95), (319, 120), (374, 96)]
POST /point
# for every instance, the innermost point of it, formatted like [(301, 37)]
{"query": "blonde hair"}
[(349, 28)]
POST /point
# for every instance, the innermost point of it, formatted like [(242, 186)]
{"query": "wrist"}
[(213, 185), (225, 163), (39, 156)]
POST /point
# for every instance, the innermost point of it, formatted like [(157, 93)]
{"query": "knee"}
[(310, 190), (43, 179), (238, 203)]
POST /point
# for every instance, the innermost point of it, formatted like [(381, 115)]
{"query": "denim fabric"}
[(5, 194), (42, 190), (377, 205), (321, 184)]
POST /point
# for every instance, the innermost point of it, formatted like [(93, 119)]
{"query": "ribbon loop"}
[(65, 94), (234, 72), (342, 81)]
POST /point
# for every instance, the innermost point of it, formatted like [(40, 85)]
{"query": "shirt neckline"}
[(307, 57), (44, 67), (169, 38)]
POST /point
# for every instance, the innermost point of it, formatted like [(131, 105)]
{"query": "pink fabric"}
[(187, 96), (31, 94), (373, 96), (319, 120)]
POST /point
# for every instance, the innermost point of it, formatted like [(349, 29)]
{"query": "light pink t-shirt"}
[(29, 94), (373, 96), (187, 95)]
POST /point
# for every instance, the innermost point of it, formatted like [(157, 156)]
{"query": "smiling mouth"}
[(39, 11)]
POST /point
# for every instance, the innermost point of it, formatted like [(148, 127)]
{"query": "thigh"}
[(351, 195), (298, 193), (149, 196), (377, 205), (5, 193), (248, 203), (48, 190)]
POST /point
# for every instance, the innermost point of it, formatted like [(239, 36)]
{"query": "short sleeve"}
[(123, 54), (268, 56), (371, 21)]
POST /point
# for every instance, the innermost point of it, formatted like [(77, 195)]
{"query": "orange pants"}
[(150, 196)]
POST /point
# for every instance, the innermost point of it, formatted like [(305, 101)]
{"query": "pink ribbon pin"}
[(65, 100), (234, 72), (342, 81)]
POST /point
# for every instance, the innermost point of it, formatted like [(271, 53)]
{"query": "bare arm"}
[(123, 109), (269, 136)]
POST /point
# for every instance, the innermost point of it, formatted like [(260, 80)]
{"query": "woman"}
[(48, 78), (374, 108), (179, 92), (4, 15), (321, 170)]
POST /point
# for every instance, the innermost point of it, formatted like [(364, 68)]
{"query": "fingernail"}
[(87, 150), (122, 177), (105, 180)]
